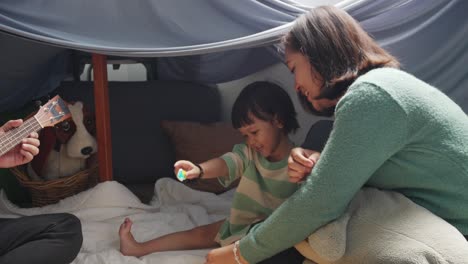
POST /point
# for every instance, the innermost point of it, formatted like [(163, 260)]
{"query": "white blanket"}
[(374, 221), (103, 208)]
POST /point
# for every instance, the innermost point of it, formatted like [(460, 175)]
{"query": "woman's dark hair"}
[(265, 101), (337, 47)]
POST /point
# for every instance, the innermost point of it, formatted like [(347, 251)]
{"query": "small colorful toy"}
[(181, 175)]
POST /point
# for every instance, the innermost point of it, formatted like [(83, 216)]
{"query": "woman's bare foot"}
[(128, 245)]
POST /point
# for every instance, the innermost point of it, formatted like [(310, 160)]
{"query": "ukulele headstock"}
[(53, 112)]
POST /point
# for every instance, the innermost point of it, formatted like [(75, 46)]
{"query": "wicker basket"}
[(52, 191)]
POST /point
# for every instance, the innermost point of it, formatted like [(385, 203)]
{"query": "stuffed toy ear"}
[(65, 130), (89, 120), (48, 139)]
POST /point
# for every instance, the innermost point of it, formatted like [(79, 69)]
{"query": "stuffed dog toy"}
[(65, 147)]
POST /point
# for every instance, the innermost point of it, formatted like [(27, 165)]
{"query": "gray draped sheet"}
[(213, 41)]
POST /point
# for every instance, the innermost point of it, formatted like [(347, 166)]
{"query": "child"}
[(264, 114)]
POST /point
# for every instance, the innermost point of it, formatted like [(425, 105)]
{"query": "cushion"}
[(318, 135), (385, 227), (199, 142)]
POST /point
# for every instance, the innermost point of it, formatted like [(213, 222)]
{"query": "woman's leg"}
[(52, 238), (290, 255), (196, 238)]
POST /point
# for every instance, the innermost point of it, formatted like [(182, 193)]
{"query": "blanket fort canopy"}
[(212, 41)]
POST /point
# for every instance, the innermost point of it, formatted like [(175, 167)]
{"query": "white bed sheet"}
[(176, 207), (103, 208)]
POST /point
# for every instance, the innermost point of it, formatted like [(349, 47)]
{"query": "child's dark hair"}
[(265, 101)]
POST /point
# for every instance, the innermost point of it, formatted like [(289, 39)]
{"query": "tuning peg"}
[(37, 104)]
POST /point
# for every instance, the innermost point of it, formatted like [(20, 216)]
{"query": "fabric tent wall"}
[(156, 28), (427, 36), (211, 41)]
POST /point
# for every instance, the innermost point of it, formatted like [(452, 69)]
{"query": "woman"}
[(391, 131)]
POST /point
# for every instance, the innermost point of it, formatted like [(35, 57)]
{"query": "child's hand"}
[(192, 171), (300, 163)]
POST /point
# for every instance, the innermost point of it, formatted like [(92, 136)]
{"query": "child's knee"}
[(207, 232)]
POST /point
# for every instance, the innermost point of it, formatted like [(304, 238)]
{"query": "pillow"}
[(199, 142), (385, 227)]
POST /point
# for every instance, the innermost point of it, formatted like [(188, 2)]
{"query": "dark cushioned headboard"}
[(141, 152), (318, 135)]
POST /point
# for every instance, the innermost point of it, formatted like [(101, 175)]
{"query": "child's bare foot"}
[(128, 245)]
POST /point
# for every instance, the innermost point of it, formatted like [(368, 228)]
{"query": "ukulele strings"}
[(13, 136)]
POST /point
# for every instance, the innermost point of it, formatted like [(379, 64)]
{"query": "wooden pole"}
[(103, 131)]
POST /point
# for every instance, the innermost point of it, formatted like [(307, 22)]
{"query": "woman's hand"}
[(23, 152), (224, 255), (300, 163), (192, 171)]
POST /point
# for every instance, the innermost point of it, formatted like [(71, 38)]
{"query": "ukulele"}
[(53, 112)]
